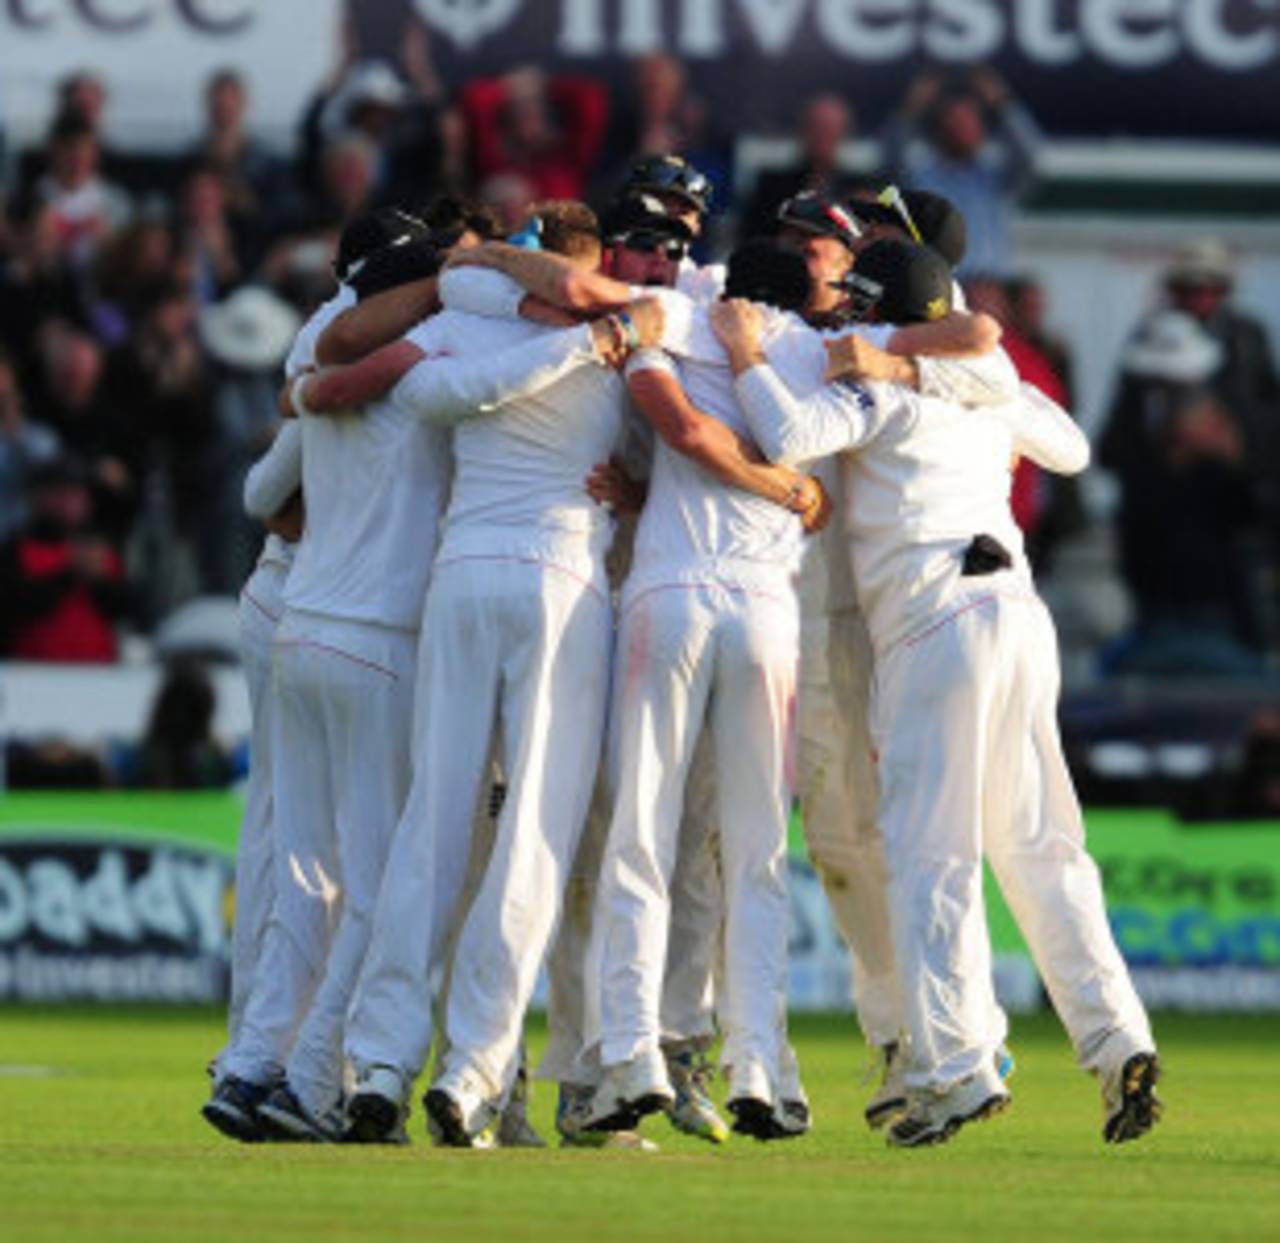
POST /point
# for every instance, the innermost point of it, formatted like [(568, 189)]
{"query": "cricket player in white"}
[(268, 488), (709, 627), (836, 780), (518, 626), (963, 715), (345, 662)]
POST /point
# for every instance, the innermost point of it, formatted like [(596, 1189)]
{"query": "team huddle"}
[(585, 561)]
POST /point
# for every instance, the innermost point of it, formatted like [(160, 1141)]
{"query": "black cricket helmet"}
[(932, 219), (812, 212), (669, 174), (904, 283)]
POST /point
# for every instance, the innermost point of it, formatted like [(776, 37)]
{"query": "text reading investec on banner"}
[(1231, 34)]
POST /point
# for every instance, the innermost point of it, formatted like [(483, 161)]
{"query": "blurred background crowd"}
[(147, 301)]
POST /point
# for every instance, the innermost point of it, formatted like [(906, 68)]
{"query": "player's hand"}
[(609, 484), (284, 402), (855, 358), (649, 319), (812, 502), (288, 521), (739, 324)]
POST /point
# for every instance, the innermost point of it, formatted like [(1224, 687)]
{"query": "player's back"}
[(693, 524), (375, 483), (916, 495), (519, 472)]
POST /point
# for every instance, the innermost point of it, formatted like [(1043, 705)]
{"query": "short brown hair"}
[(569, 228)]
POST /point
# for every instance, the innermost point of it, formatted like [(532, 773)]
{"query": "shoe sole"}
[(628, 1114), (993, 1105), (1140, 1108), (232, 1122), (282, 1127), (374, 1119), (754, 1117), (879, 1116)]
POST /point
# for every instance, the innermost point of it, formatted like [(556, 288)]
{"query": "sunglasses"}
[(649, 243)]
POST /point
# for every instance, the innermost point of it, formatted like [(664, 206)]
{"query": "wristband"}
[(296, 398), (794, 494), (631, 332)]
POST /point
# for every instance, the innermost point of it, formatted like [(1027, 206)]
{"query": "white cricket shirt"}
[(925, 477), (519, 472)]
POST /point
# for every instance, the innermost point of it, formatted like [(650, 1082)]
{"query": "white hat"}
[(252, 330), (1203, 262), (373, 82), (1172, 346)]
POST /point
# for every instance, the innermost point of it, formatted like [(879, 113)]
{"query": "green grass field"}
[(100, 1139)]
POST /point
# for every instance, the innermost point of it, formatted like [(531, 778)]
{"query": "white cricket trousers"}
[(686, 652), (839, 803), (342, 765), (260, 609), (964, 714), (524, 645), (694, 943)]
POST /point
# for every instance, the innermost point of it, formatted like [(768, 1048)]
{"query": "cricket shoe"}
[(692, 1111), (1129, 1099), (286, 1120), (628, 1092), (573, 1109), (459, 1114), (514, 1128), (233, 1108), (934, 1117), (377, 1110), (751, 1104), (793, 1118), (890, 1097)]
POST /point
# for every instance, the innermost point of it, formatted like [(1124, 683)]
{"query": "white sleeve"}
[(651, 359), (447, 390), (986, 380), (1046, 433), (481, 291), (276, 475), (790, 430)]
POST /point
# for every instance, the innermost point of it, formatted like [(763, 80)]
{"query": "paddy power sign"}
[(128, 897), (109, 897)]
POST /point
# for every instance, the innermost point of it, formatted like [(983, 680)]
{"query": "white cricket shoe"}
[(378, 1108), (692, 1111), (628, 1092), (459, 1113), (934, 1117), (573, 1109), (1129, 1101), (890, 1097)]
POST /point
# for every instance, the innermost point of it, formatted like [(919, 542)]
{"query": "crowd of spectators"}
[(146, 304)]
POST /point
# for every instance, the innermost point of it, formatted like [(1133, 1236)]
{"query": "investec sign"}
[(111, 920)]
